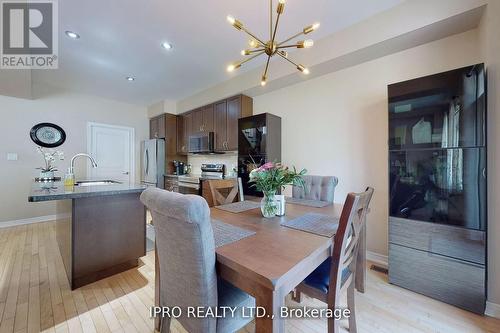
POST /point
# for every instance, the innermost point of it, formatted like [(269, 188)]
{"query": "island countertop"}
[(57, 191)]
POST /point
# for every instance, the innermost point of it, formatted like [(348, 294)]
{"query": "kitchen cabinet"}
[(220, 118), (226, 115), (157, 127), (184, 129), (203, 119)]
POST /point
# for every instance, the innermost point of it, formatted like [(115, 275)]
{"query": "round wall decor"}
[(47, 135)]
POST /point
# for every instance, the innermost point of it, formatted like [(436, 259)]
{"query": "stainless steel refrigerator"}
[(153, 162)]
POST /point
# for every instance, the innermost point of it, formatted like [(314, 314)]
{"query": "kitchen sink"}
[(96, 182)]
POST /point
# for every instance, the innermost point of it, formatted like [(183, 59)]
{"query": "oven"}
[(189, 185)]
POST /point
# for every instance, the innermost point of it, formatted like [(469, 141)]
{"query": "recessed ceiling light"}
[(130, 78), (72, 35), (166, 45)]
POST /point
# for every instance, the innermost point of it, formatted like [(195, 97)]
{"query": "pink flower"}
[(267, 166)]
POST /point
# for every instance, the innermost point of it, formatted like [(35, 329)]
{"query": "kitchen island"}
[(100, 227)]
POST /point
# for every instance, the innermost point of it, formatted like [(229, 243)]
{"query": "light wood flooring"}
[(35, 297)]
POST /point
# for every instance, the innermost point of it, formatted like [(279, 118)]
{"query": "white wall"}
[(71, 111), (489, 33), (337, 124)]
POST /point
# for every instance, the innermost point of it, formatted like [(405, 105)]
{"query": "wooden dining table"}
[(271, 263)]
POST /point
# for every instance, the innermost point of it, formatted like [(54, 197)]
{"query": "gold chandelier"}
[(272, 47)]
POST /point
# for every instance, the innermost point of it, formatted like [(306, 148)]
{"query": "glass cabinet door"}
[(445, 186), (445, 110)]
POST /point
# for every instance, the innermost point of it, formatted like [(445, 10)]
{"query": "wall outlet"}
[(11, 156)]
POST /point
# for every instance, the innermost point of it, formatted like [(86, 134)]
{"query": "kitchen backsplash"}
[(229, 159)]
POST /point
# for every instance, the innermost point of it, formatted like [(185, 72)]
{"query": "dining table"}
[(269, 264)]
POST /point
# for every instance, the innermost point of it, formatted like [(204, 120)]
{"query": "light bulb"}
[(308, 43), (303, 69), (253, 43), (245, 52), (316, 26), (231, 19), (311, 28), (231, 68)]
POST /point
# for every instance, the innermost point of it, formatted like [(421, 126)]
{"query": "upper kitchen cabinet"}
[(203, 119), (226, 115), (157, 127), (184, 129)]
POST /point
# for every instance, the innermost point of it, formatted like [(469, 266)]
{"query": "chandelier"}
[(272, 47)]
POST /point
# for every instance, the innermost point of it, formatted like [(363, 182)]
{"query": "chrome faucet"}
[(72, 165)]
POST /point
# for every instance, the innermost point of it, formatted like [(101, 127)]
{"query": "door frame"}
[(131, 131)]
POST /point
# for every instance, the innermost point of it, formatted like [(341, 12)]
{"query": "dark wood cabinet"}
[(184, 129), (220, 118), (220, 125), (226, 115), (157, 127), (208, 118)]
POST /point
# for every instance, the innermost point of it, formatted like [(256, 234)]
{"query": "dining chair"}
[(337, 274), (186, 256), (321, 188), (225, 191)]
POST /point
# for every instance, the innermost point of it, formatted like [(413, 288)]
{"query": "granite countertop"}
[(57, 191)]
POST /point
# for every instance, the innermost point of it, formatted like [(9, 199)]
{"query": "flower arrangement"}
[(49, 158), (272, 177)]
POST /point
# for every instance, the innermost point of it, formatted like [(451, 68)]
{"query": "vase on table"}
[(46, 175), (280, 201), (268, 204)]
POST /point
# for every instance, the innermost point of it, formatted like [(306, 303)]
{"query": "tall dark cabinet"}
[(259, 142), (437, 186)]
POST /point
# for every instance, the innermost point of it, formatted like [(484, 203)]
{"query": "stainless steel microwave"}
[(202, 143)]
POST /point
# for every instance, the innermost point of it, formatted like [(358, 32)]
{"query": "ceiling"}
[(122, 37)]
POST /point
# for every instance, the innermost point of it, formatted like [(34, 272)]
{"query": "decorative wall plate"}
[(47, 135)]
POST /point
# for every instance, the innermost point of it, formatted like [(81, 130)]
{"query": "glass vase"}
[(268, 204)]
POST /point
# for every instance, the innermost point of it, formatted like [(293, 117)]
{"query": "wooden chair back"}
[(225, 191), (346, 242)]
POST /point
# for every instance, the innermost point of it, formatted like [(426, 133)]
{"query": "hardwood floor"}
[(35, 297)]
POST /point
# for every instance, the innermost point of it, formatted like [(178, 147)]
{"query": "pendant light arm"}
[(252, 57), (275, 28), (267, 66), (289, 39), (270, 19), (290, 61), (253, 36)]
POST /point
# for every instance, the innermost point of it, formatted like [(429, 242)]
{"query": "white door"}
[(113, 149)]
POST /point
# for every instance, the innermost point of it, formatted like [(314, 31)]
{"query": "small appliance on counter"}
[(213, 171), (179, 168)]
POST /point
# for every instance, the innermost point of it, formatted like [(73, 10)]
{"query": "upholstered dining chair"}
[(186, 256), (337, 274), (225, 191), (321, 188)]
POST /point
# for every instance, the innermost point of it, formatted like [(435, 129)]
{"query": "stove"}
[(213, 171)]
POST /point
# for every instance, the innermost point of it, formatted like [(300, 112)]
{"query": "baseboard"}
[(492, 310), (30, 220), (377, 258)]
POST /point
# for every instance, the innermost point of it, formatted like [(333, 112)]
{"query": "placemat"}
[(307, 202), (226, 233), (315, 223), (240, 206)]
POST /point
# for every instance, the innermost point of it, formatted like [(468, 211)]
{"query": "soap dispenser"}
[(69, 178)]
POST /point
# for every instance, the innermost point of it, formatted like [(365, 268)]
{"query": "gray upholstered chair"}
[(186, 255), (320, 188)]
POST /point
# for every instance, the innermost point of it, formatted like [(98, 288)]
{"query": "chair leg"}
[(333, 325), (165, 325), (297, 296), (351, 307)]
